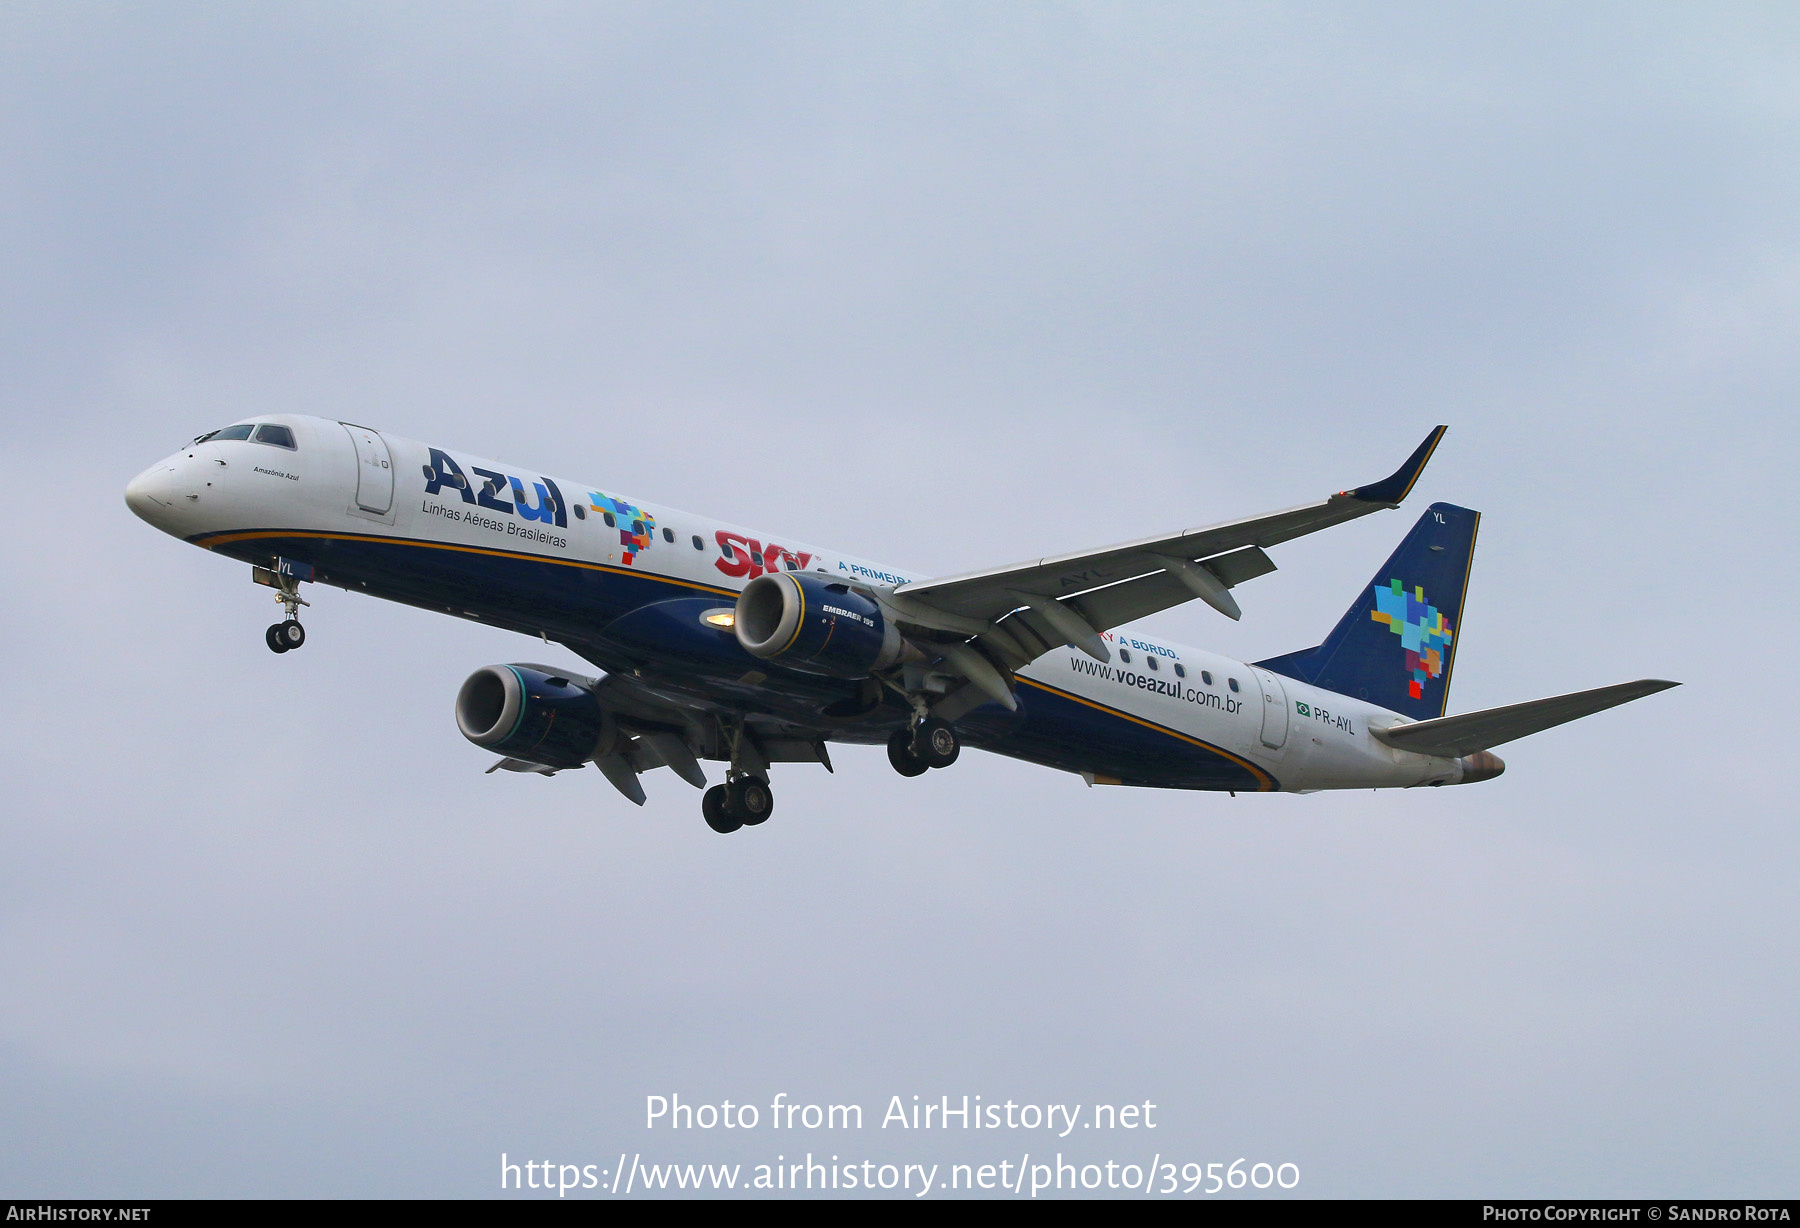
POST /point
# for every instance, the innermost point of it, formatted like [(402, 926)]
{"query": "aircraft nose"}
[(152, 493)]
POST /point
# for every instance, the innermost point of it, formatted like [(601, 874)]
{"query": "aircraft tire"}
[(291, 634), (750, 800), (713, 805), (901, 756), (272, 637), (935, 744)]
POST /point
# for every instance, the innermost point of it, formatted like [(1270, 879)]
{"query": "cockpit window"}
[(280, 436), (241, 431)]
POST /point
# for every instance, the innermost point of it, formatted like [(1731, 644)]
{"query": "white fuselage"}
[(344, 483)]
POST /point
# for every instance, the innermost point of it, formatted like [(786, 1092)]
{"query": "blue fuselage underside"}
[(648, 625)]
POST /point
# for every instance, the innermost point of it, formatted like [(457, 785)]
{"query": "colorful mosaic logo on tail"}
[(1423, 630), (636, 526)]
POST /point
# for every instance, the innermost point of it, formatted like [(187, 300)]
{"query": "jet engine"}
[(816, 624), (529, 712)]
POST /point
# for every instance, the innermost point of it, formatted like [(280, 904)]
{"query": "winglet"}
[(1391, 490)]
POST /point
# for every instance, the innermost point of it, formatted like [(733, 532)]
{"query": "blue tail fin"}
[(1396, 644)]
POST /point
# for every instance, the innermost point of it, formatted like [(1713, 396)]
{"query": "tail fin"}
[(1396, 644)]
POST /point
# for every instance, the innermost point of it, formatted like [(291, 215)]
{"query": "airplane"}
[(724, 644)]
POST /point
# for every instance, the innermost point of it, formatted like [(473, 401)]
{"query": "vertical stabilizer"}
[(1396, 644)]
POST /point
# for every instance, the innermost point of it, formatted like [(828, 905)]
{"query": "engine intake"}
[(528, 712), (812, 623)]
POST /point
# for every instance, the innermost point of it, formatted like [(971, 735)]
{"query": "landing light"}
[(725, 620)]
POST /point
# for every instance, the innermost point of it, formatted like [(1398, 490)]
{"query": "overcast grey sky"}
[(947, 286)]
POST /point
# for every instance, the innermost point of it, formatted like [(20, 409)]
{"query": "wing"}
[(1451, 736), (659, 730), (1018, 613)]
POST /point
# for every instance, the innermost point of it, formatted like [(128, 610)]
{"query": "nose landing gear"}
[(285, 636), (285, 578)]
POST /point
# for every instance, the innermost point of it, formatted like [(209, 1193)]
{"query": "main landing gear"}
[(931, 743), (744, 802), (745, 799)]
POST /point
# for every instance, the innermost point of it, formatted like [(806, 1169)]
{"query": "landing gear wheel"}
[(901, 756), (290, 633), (715, 807), (935, 744), (750, 800), (272, 637)]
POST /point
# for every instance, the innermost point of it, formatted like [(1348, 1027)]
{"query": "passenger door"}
[(374, 470), (1275, 708)]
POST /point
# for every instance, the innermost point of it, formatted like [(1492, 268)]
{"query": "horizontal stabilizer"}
[(1451, 736)]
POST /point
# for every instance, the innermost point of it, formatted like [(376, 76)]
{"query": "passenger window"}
[(1151, 662), (1125, 655), (280, 436), (698, 544), (668, 535), (1232, 682), (580, 512), (233, 432), (1180, 670), (725, 549), (756, 558), (1206, 676), (610, 522)]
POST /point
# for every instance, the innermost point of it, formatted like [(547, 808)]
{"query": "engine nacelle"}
[(814, 623), (528, 712)]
